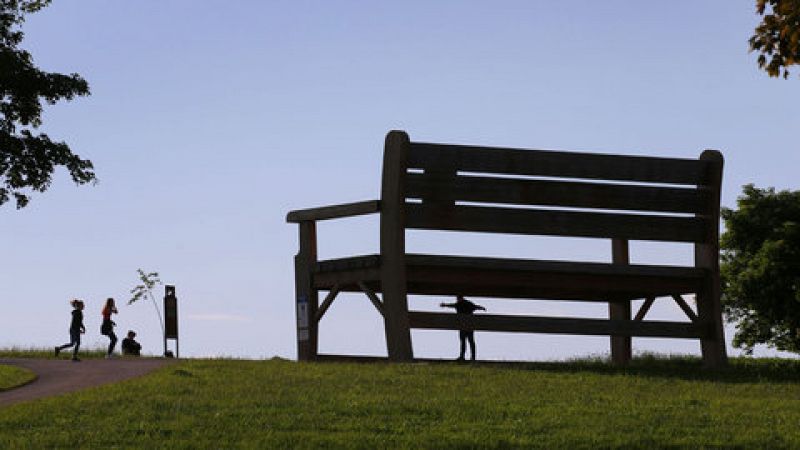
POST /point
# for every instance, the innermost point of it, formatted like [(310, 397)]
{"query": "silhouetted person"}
[(107, 327), (464, 306), (129, 346), (76, 328)]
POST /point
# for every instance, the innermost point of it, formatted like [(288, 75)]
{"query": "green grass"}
[(654, 403), (11, 377), (49, 353)]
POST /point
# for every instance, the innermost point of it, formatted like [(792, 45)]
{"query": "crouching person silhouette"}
[(76, 328), (464, 306), (129, 346)]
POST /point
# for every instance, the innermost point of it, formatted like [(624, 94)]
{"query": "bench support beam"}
[(326, 303), (393, 248), (372, 297), (685, 307), (620, 310), (306, 295), (648, 302), (706, 255)]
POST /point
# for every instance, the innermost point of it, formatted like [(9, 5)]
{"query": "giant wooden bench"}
[(529, 192)]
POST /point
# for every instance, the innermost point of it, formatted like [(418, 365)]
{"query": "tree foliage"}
[(145, 290), (760, 267), (777, 37), (28, 159)]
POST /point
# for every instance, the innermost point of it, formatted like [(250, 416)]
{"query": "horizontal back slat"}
[(555, 223), (442, 157), (557, 325), (557, 193)]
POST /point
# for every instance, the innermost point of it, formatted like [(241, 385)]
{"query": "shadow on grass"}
[(739, 370)]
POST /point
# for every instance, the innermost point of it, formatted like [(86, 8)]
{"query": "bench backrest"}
[(499, 190)]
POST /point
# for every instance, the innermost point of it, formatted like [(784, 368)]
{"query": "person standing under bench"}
[(464, 306)]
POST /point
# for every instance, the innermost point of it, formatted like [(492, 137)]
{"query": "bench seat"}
[(515, 278)]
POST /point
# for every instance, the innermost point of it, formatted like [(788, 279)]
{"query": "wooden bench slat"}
[(555, 325), (516, 278), (543, 285), (547, 163), (334, 211), (538, 265), (348, 263), (556, 223), (514, 264), (557, 193), (522, 293), (510, 292), (346, 278)]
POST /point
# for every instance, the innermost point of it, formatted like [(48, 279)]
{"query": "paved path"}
[(58, 376)]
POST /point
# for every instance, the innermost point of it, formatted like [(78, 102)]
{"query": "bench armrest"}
[(334, 211)]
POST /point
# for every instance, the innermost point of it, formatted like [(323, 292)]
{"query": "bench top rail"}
[(548, 163)]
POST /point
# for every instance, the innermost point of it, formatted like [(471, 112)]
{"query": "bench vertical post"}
[(393, 247), (706, 255), (620, 309), (306, 296)]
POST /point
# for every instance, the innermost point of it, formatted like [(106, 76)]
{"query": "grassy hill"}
[(282, 404), (11, 377)]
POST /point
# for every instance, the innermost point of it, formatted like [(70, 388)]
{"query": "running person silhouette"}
[(464, 306), (76, 328)]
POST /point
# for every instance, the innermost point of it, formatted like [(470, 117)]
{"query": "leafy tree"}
[(28, 159), (777, 37), (760, 267)]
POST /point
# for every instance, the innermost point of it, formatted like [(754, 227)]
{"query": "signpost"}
[(170, 318)]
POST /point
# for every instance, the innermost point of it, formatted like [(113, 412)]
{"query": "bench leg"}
[(306, 296), (393, 247), (398, 332), (709, 311), (306, 302), (621, 348)]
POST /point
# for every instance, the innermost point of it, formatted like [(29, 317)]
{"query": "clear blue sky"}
[(208, 121)]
